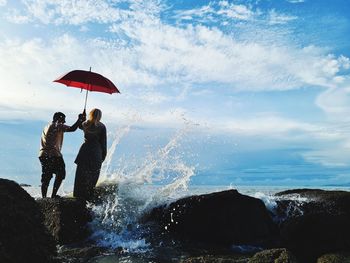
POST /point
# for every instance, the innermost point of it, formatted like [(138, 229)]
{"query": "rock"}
[(79, 254), (334, 258), (277, 255), (215, 259), (320, 226), (225, 218), (23, 236), (65, 218)]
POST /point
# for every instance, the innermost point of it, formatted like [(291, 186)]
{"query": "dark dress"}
[(89, 160)]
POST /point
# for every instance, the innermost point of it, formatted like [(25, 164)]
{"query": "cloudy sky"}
[(253, 92)]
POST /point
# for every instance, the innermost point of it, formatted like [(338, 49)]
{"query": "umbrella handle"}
[(86, 95)]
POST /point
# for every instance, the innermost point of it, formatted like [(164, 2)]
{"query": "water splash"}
[(283, 207), (269, 200), (294, 206), (162, 176), (119, 134)]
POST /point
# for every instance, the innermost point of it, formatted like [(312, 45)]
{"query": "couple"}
[(89, 159)]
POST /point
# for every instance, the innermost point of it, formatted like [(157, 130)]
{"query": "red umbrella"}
[(88, 80)]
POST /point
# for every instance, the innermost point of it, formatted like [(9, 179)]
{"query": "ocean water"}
[(162, 177)]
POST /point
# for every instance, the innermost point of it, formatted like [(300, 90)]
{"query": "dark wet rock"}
[(79, 254), (65, 218), (318, 225), (277, 255), (225, 218), (335, 258), (23, 236), (216, 259)]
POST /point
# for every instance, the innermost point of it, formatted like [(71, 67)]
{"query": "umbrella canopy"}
[(88, 80)]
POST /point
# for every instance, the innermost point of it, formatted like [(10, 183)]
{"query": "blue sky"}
[(243, 92)]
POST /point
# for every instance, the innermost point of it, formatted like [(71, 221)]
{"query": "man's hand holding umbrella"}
[(82, 116)]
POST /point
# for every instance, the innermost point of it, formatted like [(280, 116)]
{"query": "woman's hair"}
[(94, 117)]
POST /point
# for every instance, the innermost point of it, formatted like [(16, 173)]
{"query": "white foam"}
[(269, 200)]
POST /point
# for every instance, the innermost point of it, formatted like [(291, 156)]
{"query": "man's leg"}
[(60, 168), (46, 175), (44, 189), (56, 186)]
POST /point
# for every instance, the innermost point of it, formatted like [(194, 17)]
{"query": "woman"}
[(91, 155)]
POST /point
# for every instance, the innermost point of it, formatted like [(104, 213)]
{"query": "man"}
[(50, 155)]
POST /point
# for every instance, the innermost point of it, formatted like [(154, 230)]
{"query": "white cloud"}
[(72, 12), (276, 18), (326, 143), (199, 54), (16, 17), (3, 2), (344, 62), (268, 125), (30, 66), (154, 98), (203, 14), (172, 57), (192, 54), (223, 13), (217, 12), (80, 12), (329, 157), (175, 58), (234, 11), (336, 103), (332, 150)]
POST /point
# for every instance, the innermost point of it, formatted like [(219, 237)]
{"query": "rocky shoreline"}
[(312, 228)]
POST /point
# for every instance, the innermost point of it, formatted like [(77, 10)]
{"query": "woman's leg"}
[(80, 182), (92, 181)]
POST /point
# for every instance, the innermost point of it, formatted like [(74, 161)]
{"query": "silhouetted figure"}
[(91, 155), (50, 155)]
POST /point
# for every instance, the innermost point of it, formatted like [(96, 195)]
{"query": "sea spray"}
[(289, 206), (156, 167), (282, 207), (120, 133), (162, 177), (269, 200)]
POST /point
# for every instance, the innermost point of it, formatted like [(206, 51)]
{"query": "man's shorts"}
[(50, 166)]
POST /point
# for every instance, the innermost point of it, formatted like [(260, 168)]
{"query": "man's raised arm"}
[(74, 127)]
